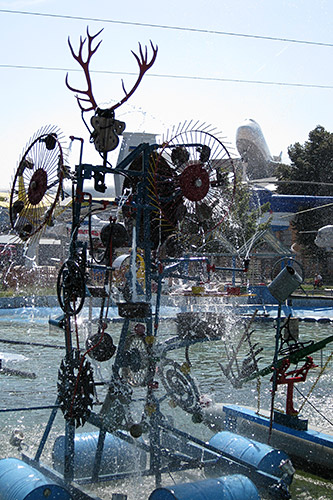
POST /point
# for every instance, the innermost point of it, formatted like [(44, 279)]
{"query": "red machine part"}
[(37, 187), (290, 378), (194, 182)]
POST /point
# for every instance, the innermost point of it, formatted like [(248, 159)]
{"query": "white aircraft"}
[(253, 149)]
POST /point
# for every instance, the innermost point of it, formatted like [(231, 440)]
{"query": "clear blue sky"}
[(32, 98)]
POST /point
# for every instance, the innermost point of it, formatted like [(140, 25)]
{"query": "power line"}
[(168, 27), (183, 77), (275, 181), (308, 210)]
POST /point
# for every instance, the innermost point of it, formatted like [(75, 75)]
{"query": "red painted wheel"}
[(37, 184), (194, 183)]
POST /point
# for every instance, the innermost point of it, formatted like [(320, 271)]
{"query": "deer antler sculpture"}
[(85, 66), (144, 66), (106, 128)]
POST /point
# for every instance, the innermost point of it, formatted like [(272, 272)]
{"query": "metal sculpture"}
[(143, 372)]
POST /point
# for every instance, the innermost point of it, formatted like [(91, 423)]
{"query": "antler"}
[(142, 61), (85, 66), (144, 66)]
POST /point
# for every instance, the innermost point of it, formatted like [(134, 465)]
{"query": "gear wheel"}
[(75, 389), (179, 385)]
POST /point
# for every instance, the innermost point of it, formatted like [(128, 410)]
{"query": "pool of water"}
[(30, 325)]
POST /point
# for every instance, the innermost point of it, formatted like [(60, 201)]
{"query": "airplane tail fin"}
[(278, 158)]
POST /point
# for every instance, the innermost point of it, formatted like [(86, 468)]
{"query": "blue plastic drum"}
[(260, 455), (234, 487), (118, 455), (19, 481)]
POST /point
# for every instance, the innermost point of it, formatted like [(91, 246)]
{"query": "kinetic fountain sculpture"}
[(175, 195)]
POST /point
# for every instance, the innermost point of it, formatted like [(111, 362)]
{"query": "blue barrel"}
[(234, 487), (262, 456), (118, 455), (20, 481)]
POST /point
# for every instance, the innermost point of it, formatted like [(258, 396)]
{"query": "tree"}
[(310, 173), (311, 166)]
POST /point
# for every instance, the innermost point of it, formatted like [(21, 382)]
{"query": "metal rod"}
[(37, 344), (30, 408), (69, 452), (275, 367), (46, 432), (294, 357), (98, 455)]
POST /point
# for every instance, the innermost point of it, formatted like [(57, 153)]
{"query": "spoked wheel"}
[(71, 288), (194, 183), (37, 184), (136, 358), (179, 385)]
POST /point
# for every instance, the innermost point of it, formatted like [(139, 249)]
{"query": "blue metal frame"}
[(161, 459)]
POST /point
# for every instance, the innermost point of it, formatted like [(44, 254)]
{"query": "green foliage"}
[(311, 163)]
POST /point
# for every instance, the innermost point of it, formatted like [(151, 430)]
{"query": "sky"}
[(219, 62)]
